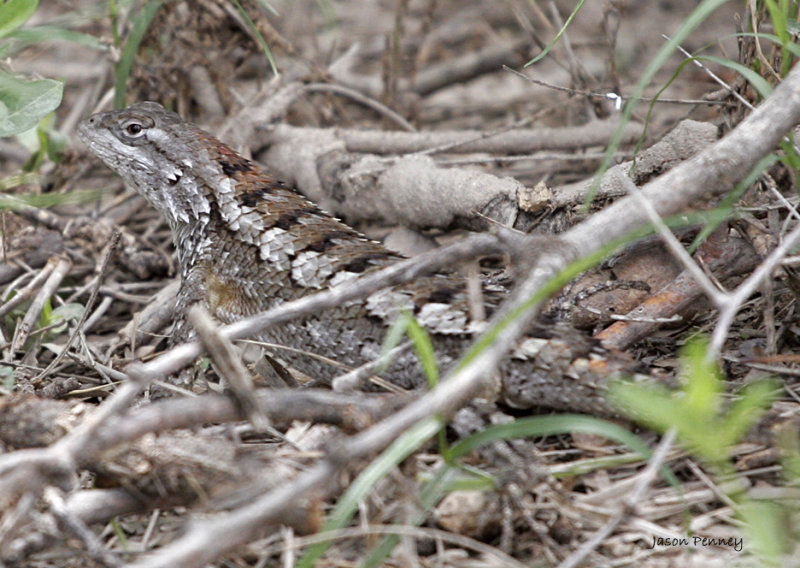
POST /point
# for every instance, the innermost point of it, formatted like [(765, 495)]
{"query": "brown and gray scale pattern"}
[(247, 242)]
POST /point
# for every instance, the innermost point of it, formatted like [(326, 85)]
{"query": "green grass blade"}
[(552, 44), (258, 36), (721, 212), (347, 504), (763, 88), (424, 348), (42, 34), (431, 493), (703, 11), (123, 69)]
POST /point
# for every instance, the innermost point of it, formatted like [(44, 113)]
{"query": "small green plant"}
[(709, 427), (55, 320), (23, 101), (783, 16), (697, 410)]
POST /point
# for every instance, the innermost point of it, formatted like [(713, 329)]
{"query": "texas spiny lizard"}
[(247, 242)]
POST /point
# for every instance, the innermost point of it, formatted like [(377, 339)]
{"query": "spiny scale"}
[(247, 242)]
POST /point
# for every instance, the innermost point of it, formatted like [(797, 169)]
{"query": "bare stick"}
[(736, 299), (28, 290), (612, 96), (674, 246), (645, 479), (504, 141), (94, 546), (370, 102), (401, 272), (229, 365), (35, 310), (89, 303)]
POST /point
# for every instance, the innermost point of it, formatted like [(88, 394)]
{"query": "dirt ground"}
[(444, 132)]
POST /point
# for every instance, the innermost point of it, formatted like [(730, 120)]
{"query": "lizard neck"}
[(191, 240), (196, 200)]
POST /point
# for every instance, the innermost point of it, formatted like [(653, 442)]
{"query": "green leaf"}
[(424, 348), (328, 10), (14, 13), (793, 48), (759, 83), (549, 426), (768, 527), (449, 478), (778, 18), (16, 180), (406, 323), (394, 335), (120, 534), (36, 159), (123, 69), (696, 409), (44, 317), (268, 7), (703, 383), (431, 493), (60, 316), (23, 102), (748, 410), (17, 202), (7, 377), (652, 405)]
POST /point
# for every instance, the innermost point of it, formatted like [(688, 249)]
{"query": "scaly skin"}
[(247, 242)]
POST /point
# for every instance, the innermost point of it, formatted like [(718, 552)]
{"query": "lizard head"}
[(157, 154)]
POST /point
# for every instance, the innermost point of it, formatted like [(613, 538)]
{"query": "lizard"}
[(247, 242)]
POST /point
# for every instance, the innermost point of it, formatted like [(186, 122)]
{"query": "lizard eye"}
[(134, 128)]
